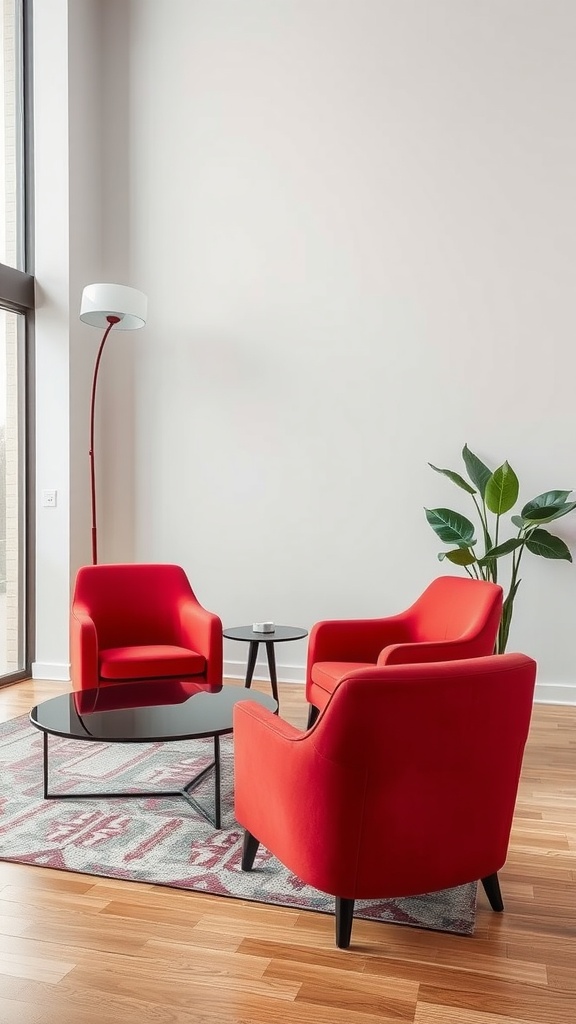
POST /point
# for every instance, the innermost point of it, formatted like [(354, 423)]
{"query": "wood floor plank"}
[(426, 1013), (459, 979), (38, 897), (531, 1006), (563, 979), (377, 1001), (298, 955), (18, 964), (18, 1012), (178, 987)]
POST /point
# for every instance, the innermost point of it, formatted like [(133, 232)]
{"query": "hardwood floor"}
[(81, 950)]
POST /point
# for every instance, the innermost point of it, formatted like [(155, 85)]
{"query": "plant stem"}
[(495, 562), (484, 521), (506, 621)]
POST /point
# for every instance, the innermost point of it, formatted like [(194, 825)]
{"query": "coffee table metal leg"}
[(252, 655), (185, 791), (45, 766), (272, 668), (217, 818)]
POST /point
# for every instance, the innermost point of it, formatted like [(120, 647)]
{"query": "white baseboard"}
[(51, 670), (232, 670), (555, 693), (546, 693), (285, 673)]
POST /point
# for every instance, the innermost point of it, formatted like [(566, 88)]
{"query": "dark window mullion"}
[(16, 289)]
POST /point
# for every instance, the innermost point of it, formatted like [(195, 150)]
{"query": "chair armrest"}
[(419, 653), (201, 631), (254, 720), (83, 650), (354, 639), (300, 804), (269, 769)]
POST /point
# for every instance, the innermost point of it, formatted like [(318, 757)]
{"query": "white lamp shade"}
[(100, 301)]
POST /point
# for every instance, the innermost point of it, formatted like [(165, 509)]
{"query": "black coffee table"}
[(144, 712), (280, 635)]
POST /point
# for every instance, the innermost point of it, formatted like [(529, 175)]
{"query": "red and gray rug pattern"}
[(162, 840)]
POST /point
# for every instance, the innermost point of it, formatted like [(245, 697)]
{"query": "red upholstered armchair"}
[(455, 617), (141, 622), (405, 785)]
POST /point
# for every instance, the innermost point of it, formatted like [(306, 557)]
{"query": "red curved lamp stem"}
[(111, 321)]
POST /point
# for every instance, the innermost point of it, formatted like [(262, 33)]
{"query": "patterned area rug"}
[(163, 841)]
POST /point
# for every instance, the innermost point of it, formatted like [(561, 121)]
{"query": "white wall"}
[(354, 220), (87, 145)]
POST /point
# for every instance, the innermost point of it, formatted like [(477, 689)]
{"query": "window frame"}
[(17, 294)]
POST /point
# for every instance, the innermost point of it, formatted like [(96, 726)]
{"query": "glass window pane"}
[(12, 618), (11, 164)]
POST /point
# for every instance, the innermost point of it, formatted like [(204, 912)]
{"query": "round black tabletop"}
[(166, 710), (280, 633)]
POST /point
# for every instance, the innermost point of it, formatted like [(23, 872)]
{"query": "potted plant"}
[(494, 494)]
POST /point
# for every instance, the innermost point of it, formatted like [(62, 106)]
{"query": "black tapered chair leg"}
[(313, 713), (492, 890), (249, 850), (344, 917)]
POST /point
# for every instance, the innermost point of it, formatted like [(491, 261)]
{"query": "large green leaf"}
[(461, 556), (477, 471), (543, 501), (501, 549), (451, 527), (501, 492), (547, 545), (562, 511), (549, 512), (455, 478)]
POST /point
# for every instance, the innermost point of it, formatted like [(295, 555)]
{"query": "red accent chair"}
[(406, 784), (134, 622), (455, 617)]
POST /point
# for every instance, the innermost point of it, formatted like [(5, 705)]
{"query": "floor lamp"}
[(107, 306)]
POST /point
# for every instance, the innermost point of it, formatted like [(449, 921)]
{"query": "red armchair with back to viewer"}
[(406, 784), (455, 617), (141, 621)]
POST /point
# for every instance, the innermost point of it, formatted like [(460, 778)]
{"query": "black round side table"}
[(280, 635)]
